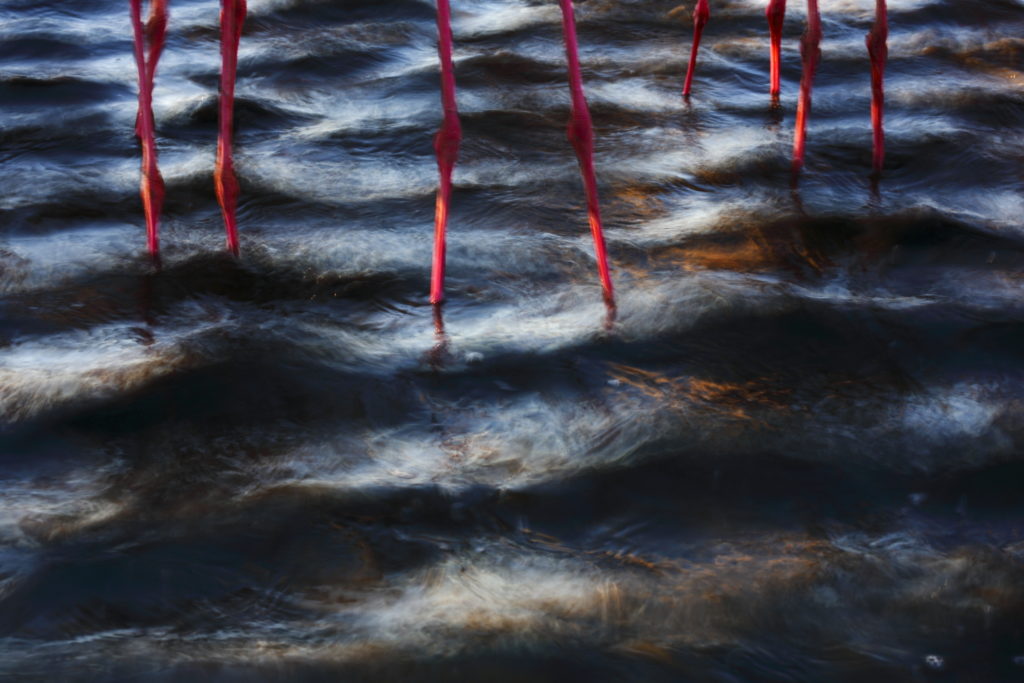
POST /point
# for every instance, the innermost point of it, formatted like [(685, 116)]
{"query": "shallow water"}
[(793, 455)]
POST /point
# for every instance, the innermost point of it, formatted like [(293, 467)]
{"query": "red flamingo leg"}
[(232, 16), (810, 53), (878, 51), (701, 14), (581, 135), (446, 147), (776, 14), (151, 184)]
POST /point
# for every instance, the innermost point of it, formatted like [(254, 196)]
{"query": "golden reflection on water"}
[(736, 400)]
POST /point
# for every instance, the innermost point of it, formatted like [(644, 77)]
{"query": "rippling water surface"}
[(795, 455)]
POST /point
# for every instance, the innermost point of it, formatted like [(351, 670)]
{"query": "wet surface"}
[(793, 455)]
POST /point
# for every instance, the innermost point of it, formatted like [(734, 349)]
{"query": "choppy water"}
[(794, 456)]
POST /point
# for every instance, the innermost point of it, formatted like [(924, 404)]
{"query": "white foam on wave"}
[(998, 210), (961, 411), (719, 149), (353, 113), (525, 438), (467, 594), (37, 374), (519, 437), (515, 598), (67, 26), (639, 93), (697, 214), (495, 17), (348, 181), (35, 261), (45, 503)]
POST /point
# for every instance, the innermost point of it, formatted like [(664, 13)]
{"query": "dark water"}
[(796, 455)]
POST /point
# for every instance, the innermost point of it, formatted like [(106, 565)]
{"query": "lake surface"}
[(794, 454)]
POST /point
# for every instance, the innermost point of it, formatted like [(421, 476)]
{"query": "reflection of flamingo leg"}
[(701, 14), (878, 51), (436, 356), (581, 135), (232, 15), (446, 147), (776, 13), (152, 184), (810, 52)]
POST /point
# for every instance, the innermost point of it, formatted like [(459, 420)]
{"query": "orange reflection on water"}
[(740, 254), (1000, 58), (737, 400), (794, 245)]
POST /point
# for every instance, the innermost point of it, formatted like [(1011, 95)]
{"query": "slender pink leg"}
[(232, 16), (152, 184), (581, 135), (446, 147), (776, 13), (810, 52), (701, 14), (878, 51)]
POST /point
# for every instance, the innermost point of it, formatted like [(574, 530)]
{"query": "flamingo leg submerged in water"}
[(701, 14), (151, 34), (446, 147), (878, 51), (810, 53), (581, 135), (776, 14), (232, 16)]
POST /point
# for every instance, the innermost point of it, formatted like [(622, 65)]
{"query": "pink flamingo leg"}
[(776, 14), (810, 52), (878, 51), (232, 16), (701, 14), (581, 135), (152, 184), (446, 148)]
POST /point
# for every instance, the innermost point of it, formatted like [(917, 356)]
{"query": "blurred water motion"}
[(793, 455)]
